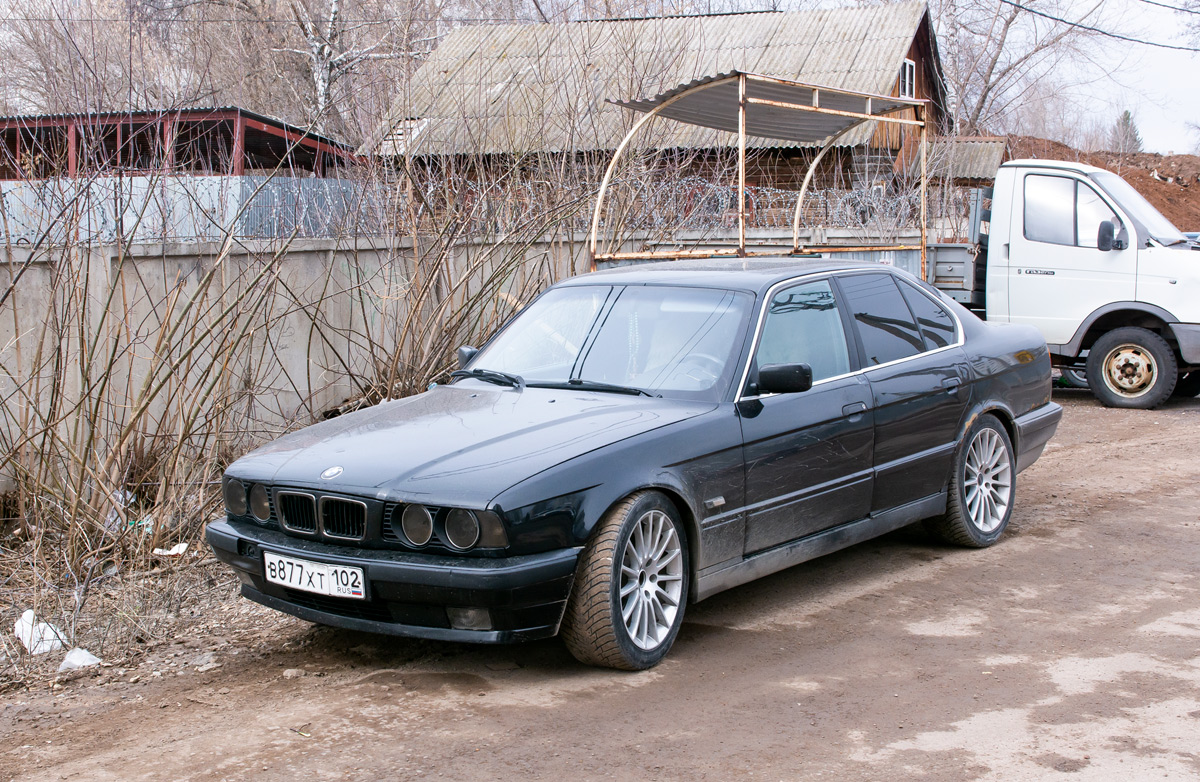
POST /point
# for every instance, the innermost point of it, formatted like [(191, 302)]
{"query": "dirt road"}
[(1070, 649)]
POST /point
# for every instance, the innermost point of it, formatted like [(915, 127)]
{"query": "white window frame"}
[(908, 79)]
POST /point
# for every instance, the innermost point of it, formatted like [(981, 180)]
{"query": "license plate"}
[(317, 577)]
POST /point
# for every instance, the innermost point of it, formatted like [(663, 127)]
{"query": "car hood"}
[(462, 443)]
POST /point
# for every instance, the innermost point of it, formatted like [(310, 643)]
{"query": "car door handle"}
[(951, 384), (854, 408)]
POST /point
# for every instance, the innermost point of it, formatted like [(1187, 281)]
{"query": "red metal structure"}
[(219, 141)]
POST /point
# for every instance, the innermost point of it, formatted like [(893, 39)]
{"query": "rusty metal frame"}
[(743, 101)]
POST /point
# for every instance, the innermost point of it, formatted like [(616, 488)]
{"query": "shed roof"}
[(967, 157), (508, 88)]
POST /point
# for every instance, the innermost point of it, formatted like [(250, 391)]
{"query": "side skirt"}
[(782, 557)]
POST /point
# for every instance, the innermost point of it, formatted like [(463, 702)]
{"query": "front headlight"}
[(417, 524), (462, 528), (260, 502), (235, 497)]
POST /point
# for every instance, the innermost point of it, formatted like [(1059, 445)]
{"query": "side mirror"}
[(465, 354), (784, 378), (1106, 237)]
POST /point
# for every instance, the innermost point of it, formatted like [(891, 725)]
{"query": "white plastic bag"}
[(78, 658), (38, 637)]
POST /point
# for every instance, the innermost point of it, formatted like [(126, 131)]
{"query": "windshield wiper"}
[(595, 385), (491, 376)]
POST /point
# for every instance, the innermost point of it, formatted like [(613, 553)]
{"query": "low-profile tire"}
[(1131, 367), (631, 586), (983, 486), (1187, 386)]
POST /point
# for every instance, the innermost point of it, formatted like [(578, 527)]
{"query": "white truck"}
[(1077, 252), (1069, 248)]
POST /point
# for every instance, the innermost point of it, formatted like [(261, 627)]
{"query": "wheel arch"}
[(686, 515), (997, 410), (1115, 315)]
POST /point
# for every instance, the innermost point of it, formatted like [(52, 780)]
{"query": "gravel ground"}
[(1071, 648)]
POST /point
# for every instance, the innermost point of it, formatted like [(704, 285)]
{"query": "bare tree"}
[(997, 55)]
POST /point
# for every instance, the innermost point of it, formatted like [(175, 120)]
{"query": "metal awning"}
[(750, 104), (775, 108)]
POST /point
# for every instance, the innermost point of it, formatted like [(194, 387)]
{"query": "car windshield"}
[(1139, 208), (669, 341)]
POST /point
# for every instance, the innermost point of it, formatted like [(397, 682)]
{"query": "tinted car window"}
[(667, 339), (885, 324), (677, 341), (803, 326), (1050, 209), (937, 325)]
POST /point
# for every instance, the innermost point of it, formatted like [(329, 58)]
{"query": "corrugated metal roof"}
[(712, 102), (503, 89), (966, 157)]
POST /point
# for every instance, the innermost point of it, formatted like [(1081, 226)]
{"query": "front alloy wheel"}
[(631, 586)]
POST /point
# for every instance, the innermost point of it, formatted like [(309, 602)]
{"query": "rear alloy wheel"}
[(1131, 367), (631, 586), (982, 487)]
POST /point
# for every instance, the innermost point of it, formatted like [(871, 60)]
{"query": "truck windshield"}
[(1139, 208), (669, 341)]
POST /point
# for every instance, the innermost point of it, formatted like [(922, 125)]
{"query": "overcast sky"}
[(1160, 86)]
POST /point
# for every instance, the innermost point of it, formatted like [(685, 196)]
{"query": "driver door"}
[(808, 455), (1057, 276)]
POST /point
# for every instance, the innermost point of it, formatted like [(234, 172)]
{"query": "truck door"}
[(1056, 275)]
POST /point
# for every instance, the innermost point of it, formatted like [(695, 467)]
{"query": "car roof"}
[(1058, 165), (747, 274)]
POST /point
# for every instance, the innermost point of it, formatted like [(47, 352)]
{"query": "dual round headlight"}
[(457, 528), (235, 499)]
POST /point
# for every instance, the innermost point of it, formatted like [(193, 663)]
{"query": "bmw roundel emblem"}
[(331, 473)]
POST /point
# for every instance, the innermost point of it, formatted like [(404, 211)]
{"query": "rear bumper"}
[(1034, 430), (407, 593)]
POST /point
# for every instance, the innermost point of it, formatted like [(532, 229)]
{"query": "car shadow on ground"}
[(716, 621)]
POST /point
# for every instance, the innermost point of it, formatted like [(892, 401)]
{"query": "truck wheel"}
[(1131, 367), (1187, 386), (1074, 378), (983, 486), (631, 586)]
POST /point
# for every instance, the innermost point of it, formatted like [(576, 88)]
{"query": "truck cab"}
[(1077, 252)]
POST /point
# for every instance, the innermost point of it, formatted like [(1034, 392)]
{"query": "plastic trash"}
[(78, 658), (121, 502), (38, 637), (177, 550)]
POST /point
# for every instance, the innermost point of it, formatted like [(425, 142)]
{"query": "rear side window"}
[(936, 324), (884, 322), (803, 327)]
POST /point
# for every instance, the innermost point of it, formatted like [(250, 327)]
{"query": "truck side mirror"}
[(784, 378), (1106, 237), (465, 354)]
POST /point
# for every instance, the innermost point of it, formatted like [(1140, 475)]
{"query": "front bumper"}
[(407, 593), (1034, 430)]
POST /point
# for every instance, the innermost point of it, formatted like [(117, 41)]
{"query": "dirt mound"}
[(1170, 182)]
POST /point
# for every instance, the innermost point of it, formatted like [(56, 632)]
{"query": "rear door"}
[(910, 347), (807, 455)]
